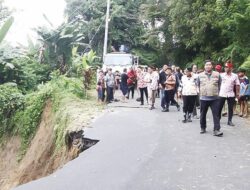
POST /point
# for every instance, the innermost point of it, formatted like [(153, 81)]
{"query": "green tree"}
[(126, 27)]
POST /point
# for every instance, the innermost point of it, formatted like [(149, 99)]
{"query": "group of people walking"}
[(213, 89), (203, 89)]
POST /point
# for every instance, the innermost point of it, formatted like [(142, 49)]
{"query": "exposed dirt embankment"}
[(42, 158), (8, 160)]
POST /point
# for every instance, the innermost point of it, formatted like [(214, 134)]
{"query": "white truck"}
[(119, 61)]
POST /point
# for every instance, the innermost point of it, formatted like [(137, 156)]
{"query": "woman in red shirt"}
[(131, 82)]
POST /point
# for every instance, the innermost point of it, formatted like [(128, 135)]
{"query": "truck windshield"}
[(116, 60)]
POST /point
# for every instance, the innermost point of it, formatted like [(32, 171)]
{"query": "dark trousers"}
[(131, 89), (103, 94), (214, 105), (230, 102), (173, 103), (163, 99), (158, 93), (169, 97), (188, 103), (197, 104), (142, 92), (110, 94)]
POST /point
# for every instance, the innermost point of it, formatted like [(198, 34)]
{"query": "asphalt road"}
[(141, 149)]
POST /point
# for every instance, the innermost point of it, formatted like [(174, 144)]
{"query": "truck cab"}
[(119, 61)]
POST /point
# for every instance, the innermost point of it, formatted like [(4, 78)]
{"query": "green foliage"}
[(147, 57), (125, 26), (246, 64), (11, 99), (69, 85), (29, 73), (20, 115), (80, 63), (62, 120), (179, 32), (58, 45), (27, 119), (26, 72)]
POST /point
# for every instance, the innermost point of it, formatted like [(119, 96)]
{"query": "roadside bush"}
[(11, 99), (27, 118), (29, 73), (26, 72)]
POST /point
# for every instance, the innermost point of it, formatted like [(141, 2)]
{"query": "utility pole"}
[(106, 30)]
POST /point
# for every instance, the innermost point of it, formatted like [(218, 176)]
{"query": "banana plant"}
[(3, 32), (5, 28)]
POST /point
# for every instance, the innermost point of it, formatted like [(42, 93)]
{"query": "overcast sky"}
[(29, 14)]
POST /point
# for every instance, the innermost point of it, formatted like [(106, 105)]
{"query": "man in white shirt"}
[(152, 79), (229, 90), (110, 83)]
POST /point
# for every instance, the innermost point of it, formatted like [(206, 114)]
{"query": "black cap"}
[(189, 69)]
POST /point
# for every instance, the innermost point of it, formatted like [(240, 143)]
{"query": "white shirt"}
[(228, 83), (189, 85), (152, 80)]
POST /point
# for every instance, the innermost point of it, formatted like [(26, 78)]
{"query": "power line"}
[(96, 31)]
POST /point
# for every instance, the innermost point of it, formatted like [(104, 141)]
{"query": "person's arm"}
[(198, 83), (160, 80), (237, 83), (106, 78), (147, 78), (180, 89), (219, 82)]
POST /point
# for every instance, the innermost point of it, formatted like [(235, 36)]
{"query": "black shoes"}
[(218, 133), (151, 108), (185, 119), (230, 123), (165, 110), (203, 131)]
